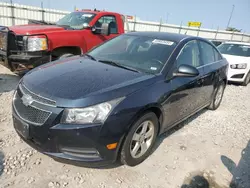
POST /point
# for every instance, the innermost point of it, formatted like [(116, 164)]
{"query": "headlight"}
[(37, 43), (239, 66), (93, 114)]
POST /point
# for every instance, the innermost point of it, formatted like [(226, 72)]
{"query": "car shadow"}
[(1, 162), (240, 172), (8, 82), (174, 129)]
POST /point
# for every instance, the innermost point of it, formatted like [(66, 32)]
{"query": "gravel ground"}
[(211, 149)]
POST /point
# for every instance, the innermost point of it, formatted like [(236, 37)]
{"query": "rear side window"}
[(207, 51), (217, 55)]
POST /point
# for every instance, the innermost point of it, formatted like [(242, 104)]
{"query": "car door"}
[(185, 98), (211, 65), (97, 39)]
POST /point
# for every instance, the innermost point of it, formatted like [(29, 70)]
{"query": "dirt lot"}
[(211, 149)]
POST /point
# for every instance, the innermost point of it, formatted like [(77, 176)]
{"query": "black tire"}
[(247, 79), (214, 104), (65, 55), (126, 157)]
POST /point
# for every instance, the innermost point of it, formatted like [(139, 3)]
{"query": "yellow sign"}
[(194, 24)]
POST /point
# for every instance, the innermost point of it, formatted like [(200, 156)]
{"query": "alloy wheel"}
[(142, 139)]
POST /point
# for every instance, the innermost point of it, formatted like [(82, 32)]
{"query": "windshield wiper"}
[(65, 26), (40, 22), (118, 65), (90, 57)]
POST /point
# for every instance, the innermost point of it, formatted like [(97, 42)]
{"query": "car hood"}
[(78, 81), (232, 59), (34, 29)]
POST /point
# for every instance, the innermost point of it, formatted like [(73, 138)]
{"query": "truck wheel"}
[(65, 56), (247, 79), (140, 140)]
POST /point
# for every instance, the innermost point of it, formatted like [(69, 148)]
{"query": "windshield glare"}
[(142, 53), (235, 49), (76, 20)]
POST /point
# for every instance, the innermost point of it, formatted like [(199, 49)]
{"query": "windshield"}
[(141, 53), (235, 49), (76, 20)]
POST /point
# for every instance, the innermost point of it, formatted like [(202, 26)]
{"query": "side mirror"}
[(103, 30), (186, 71)]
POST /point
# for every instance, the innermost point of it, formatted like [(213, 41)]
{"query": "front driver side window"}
[(189, 55), (109, 20)]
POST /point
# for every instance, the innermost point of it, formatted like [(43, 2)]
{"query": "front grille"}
[(16, 44), (10, 42), (20, 43), (29, 114), (36, 97)]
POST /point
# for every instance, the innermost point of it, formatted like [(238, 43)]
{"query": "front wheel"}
[(217, 97), (140, 140)]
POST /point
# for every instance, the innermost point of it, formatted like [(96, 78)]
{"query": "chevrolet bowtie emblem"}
[(27, 100)]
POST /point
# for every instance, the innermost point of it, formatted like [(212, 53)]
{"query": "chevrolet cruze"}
[(114, 101)]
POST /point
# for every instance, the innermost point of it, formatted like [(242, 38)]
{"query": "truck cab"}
[(24, 47)]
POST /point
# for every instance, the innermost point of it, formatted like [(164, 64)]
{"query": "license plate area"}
[(21, 127)]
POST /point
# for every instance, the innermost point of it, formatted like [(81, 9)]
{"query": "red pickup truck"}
[(24, 47)]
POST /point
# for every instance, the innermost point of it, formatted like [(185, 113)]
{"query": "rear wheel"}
[(247, 79), (217, 98), (140, 140)]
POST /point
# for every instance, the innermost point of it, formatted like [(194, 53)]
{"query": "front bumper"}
[(68, 142), (237, 75), (81, 143), (20, 63)]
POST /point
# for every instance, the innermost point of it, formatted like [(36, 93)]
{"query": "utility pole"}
[(230, 17), (167, 17), (42, 11)]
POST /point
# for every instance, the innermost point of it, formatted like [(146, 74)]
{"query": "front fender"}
[(70, 38)]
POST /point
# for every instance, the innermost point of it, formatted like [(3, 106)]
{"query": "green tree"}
[(233, 29)]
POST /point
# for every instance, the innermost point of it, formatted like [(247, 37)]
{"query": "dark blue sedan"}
[(113, 102)]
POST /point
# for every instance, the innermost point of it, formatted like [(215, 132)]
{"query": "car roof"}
[(164, 35), (231, 42)]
